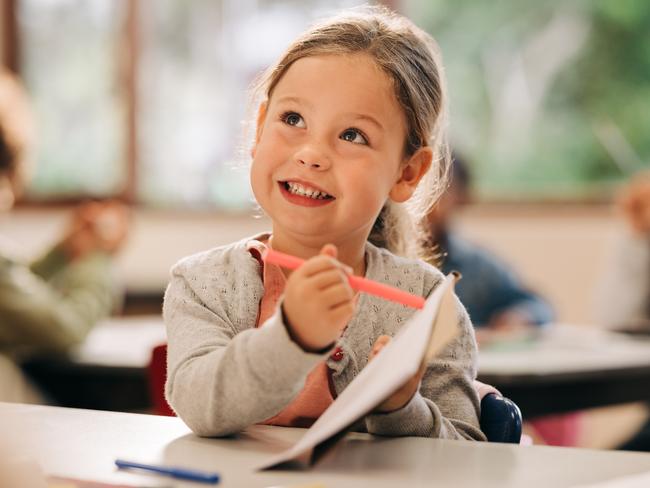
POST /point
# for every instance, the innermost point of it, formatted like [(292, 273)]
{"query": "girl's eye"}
[(355, 136), (292, 118)]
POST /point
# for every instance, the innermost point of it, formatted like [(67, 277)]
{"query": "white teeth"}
[(298, 189)]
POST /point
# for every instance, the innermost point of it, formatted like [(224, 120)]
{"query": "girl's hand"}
[(318, 301), (401, 397)]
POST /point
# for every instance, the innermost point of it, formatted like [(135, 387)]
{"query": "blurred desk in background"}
[(567, 368), (109, 370)]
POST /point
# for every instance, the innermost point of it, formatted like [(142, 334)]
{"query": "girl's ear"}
[(259, 126), (410, 175)]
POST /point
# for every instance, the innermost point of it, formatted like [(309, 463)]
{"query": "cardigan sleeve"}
[(221, 379)]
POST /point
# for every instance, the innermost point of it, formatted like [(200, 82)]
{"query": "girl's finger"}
[(341, 314), (420, 374), (332, 251), (329, 250), (379, 344), (319, 264), (337, 295), (329, 278)]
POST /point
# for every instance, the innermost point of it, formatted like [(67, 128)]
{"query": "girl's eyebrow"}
[(367, 118), (293, 99)]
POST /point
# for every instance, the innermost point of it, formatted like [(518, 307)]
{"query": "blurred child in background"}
[(495, 297), (624, 295), (500, 306), (624, 300), (50, 305)]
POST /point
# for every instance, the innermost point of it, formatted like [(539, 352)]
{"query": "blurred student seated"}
[(624, 295), (498, 303), (623, 300), (501, 307), (50, 305)]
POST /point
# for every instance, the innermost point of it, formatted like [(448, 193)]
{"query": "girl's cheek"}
[(273, 138), (290, 136)]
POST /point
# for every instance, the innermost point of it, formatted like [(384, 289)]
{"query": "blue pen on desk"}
[(178, 473)]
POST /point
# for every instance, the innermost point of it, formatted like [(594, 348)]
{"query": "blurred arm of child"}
[(53, 304)]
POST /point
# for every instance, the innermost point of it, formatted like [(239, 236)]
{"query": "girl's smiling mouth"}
[(304, 194)]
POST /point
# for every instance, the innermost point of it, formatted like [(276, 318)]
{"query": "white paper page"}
[(445, 325), (388, 371)]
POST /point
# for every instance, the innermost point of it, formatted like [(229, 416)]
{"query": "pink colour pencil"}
[(356, 282)]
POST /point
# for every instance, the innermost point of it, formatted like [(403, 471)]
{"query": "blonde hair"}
[(411, 58)]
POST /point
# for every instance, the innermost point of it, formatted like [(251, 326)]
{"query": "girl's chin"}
[(304, 232)]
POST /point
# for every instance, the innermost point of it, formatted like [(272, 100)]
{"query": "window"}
[(192, 62), (146, 98), (69, 63)]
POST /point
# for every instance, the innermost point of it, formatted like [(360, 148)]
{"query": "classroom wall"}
[(559, 250), (562, 251)]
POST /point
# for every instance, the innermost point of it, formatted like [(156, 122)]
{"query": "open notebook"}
[(423, 336)]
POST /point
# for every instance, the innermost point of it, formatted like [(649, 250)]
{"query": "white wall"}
[(559, 250), (156, 240)]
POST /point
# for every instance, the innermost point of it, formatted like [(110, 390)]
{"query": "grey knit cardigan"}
[(224, 374)]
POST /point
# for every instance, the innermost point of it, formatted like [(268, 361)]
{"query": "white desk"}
[(566, 349), (123, 342), (108, 371), (85, 443), (570, 368)]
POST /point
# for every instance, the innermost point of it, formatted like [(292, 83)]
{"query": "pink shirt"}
[(316, 395)]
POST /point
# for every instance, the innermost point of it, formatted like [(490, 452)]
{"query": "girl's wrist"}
[(294, 337)]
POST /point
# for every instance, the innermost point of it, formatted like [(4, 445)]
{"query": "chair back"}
[(500, 419), (157, 379)]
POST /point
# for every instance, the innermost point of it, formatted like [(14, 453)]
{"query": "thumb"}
[(329, 250), (332, 251)]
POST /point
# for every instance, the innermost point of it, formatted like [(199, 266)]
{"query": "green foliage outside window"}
[(549, 99)]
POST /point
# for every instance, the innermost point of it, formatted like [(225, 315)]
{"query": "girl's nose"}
[(312, 164), (312, 158)]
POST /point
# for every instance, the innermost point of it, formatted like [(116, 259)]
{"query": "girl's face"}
[(329, 149)]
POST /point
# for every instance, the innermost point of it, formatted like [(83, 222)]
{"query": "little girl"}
[(350, 123)]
